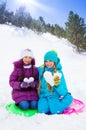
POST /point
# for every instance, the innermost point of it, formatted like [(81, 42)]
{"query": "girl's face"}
[(49, 64), (27, 60)]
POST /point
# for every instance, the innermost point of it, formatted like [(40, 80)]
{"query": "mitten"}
[(24, 85), (32, 84), (56, 78), (56, 81), (49, 78)]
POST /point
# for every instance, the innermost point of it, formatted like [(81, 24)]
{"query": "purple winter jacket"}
[(18, 93)]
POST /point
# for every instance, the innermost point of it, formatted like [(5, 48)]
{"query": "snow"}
[(13, 40)]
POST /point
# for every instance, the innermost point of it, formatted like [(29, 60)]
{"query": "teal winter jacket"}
[(54, 99)]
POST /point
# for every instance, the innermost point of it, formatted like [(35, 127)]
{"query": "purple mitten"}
[(32, 84), (24, 85)]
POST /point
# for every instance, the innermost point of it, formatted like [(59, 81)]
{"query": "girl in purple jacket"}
[(24, 81)]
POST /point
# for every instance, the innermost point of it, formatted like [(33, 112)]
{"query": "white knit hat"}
[(26, 52)]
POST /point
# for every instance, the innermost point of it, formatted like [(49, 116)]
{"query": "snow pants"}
[(24, 105), (53, 105)]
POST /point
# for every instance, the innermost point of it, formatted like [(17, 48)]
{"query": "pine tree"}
[(75, 30)]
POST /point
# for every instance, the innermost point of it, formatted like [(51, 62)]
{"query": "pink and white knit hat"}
[(26, 52)]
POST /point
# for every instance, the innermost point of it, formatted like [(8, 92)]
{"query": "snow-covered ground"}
[(12, 41)]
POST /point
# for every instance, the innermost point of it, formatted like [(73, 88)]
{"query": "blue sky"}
[(53, 11)]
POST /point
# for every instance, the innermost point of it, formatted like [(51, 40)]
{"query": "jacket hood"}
[(19, 63)]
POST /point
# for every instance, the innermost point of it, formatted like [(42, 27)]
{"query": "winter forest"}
[(74, 30)]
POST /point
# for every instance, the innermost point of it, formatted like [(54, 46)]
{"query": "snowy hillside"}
[(13, 40)]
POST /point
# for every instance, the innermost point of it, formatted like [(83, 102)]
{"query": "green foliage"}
[(22, 18), (2, 11), (75, 30), (38, 25)]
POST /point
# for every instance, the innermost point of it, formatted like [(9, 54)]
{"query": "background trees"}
[(75, 27), (76, 30)]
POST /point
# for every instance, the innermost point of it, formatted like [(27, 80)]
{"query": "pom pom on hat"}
[(26, 52)]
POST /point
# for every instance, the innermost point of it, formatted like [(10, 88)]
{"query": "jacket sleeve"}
[(13, 80)]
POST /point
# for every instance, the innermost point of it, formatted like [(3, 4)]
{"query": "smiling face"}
[(27, 60), (49, 63)]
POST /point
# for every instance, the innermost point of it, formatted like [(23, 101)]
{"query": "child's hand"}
[(56, 78), (28, 83), (24, 85)]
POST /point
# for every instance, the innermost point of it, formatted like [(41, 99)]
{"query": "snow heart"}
[(52, 79), (31, 79)]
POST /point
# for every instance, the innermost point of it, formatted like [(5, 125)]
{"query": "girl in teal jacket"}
[(54, 97)]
